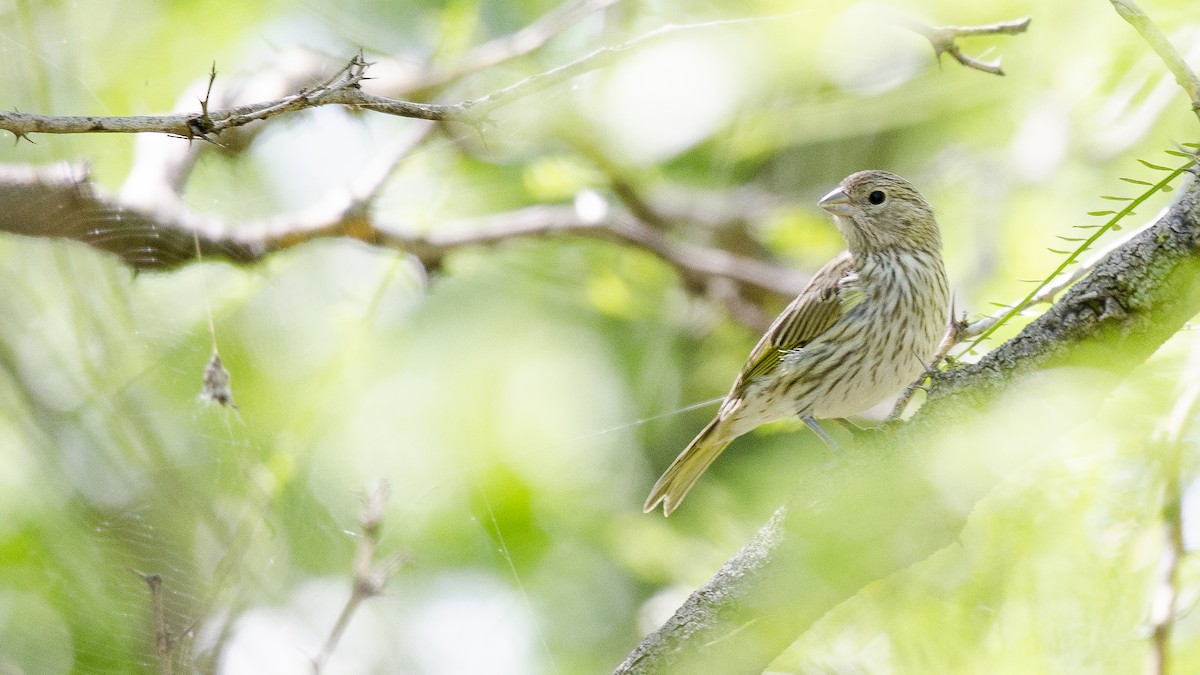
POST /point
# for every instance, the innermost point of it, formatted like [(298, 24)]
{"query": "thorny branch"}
[(369, 577), (944, 39), (343, 88)]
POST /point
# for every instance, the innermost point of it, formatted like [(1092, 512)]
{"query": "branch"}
[(525, 41), (944, 39), (163, 641), (341, 89), (60, 202), (1164, 604), (876, 513), (161, 166), (369, 578), (1184, 75)]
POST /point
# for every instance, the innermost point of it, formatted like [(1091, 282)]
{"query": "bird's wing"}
[(833, 291)]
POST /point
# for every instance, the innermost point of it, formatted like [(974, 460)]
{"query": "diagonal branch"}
[(878, 512), (1184, 75)]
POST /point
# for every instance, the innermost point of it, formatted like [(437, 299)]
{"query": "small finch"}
[(858, 333)]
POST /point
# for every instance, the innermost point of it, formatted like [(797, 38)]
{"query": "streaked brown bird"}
[(860, 331)]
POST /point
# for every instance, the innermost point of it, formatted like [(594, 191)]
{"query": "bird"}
[(861, 330)]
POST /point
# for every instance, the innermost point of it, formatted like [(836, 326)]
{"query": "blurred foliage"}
[(522, 399)]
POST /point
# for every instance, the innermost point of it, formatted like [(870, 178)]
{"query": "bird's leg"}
[(818, 430), (848, 424)]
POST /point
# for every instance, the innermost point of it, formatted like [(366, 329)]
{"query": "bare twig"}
[(527, 40), (163, 641), (944, 39), (1164, 603), (1184, 75), (369, 578)]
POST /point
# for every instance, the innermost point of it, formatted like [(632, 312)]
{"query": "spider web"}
[(248, 516), (493, 397), (345, 372)]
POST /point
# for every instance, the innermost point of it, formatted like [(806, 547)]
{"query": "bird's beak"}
[(836, 202)]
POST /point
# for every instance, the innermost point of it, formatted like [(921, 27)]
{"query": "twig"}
[(1184, 75), (369, 579), (163, 641), (527, 40), (944, 39), (1164, 604)]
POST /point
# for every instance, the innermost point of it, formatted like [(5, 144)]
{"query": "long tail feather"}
[(687, 468)]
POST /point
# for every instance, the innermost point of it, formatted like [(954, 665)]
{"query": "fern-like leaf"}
[(1112, 224), (1156, 167)]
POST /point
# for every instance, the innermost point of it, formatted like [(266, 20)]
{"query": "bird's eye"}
[(876, 197)]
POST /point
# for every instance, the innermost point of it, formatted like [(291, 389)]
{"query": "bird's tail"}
[(683, 473)]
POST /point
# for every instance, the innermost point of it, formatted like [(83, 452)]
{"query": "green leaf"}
[(1100, 213), (1156, 167), (1116, 199), (1177, 153), (1191, 145), (1054, 250), (1137, 182), (1070, 238)]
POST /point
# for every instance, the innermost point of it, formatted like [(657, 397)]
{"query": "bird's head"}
[(878, 211)]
